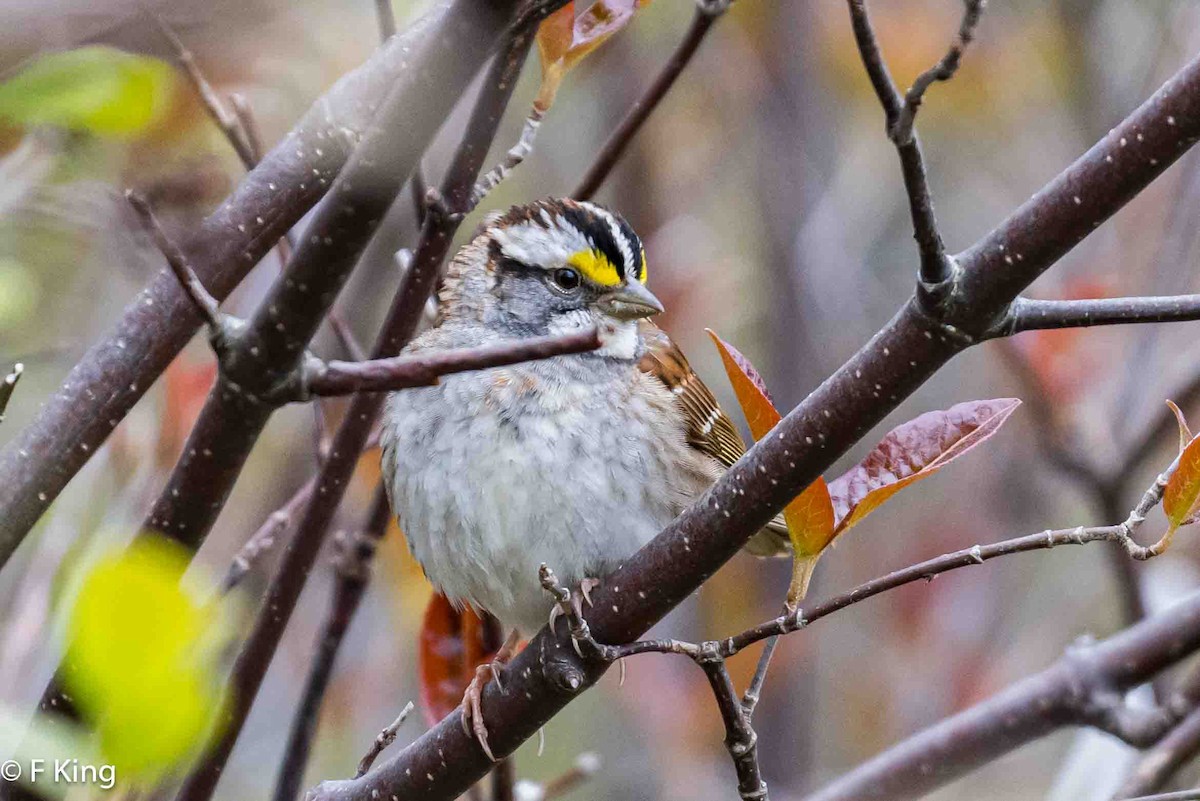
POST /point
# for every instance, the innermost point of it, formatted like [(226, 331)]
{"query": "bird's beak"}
[(631, 302)]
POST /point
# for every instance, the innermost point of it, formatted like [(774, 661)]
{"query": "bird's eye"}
[(566, 279)]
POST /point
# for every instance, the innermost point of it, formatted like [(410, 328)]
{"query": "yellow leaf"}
[(140, 659)]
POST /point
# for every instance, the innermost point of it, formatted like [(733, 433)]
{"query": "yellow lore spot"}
[(595, 267)]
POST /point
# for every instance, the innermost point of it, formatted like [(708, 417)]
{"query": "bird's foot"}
[(472, 703), (569, 604)]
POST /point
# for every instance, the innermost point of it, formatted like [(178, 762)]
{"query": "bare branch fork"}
[(904, 354), (900, 111)]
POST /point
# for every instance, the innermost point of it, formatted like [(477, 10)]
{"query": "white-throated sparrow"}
[(575, 461)]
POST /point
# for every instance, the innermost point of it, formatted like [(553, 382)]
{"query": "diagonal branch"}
[(707, 12), (206, 305), (1026, 314), (548, 674), (1079, 689), (355, 553), (115, 372), (440, 225)]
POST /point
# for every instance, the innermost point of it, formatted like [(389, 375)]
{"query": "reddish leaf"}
[(564, 39), (1182, 492), (751, 391), (1185, 433), (555, 33), (810, 516), (913, 451), (810, 519), (452, 644)]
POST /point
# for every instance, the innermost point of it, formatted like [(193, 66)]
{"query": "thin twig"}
[(353, 562), (264, 539), (226, 120), (516, 154), (387, 19), (424, 369), (382, 741), (902, 129), (205, 303), (8, 385), (754, 692), (610, 153), (1026, 314)]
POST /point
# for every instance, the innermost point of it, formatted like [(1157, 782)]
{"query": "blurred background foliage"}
[(772, 209)]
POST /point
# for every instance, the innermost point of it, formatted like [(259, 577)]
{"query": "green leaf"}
[(141, 659), (97, 89)]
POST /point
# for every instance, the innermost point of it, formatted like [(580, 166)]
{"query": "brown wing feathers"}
[(709, 429)]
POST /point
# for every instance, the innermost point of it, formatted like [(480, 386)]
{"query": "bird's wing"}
[(709, 429)]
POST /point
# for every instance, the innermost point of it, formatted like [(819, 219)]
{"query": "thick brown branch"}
[(400, 372), (1077, 690), (1026, 314), (115, 372), (707, 12), (548, 673)]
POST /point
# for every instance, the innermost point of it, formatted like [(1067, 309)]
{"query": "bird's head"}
[(550, 267)]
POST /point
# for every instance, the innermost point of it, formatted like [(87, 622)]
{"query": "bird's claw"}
[(472, 703), (472, 708), (570, 604)]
